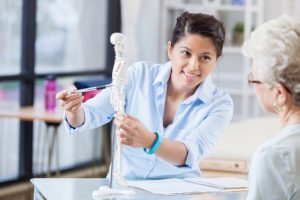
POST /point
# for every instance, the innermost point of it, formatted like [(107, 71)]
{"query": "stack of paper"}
[(189, 185), (225, 183), (171, 186)]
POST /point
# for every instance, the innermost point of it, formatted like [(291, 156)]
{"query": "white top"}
[(275, 168)]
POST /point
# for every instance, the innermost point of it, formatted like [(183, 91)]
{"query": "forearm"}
[(172, 151), (75, 119)]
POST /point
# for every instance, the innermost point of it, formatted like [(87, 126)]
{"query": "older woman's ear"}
[(281, 94)]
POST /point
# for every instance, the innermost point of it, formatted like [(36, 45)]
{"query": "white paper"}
[(220, 182), (171, 186)]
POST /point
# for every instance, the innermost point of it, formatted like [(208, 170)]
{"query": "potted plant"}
[(238, 34)]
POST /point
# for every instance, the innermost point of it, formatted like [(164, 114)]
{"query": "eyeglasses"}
[(251, 81)]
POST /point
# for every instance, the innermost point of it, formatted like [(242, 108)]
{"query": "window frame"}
[(27, 78)]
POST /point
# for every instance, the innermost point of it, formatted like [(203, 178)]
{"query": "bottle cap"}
[(50, 77)]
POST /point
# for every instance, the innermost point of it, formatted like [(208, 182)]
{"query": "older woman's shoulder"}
[(285, 143)]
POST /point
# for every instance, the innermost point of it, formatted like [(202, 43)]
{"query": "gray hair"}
[(275, 50)]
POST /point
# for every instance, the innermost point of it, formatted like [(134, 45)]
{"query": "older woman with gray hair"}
[(275, 51)]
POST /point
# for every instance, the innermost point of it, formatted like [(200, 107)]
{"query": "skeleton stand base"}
[(106, 192)]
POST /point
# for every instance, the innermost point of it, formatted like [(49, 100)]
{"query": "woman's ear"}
[(170, 49), (281, 94)]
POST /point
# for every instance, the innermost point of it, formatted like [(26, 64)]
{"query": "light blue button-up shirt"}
[(198, 122)]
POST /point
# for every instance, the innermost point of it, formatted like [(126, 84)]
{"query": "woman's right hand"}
[(70, 102)]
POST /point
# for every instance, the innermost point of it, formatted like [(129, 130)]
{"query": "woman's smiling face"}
[(193, 57)]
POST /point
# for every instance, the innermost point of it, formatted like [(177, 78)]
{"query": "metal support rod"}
[(113, 136)]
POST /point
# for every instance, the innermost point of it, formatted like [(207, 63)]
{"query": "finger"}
[(127, 141), (118, 116), (124, 136), (124, 116), (131, 117), (124, 127), (130, 122), (124, 141), (117, 122), (62, 103), (121, 137), (73, 103), (69, 98), (71, 108), (75, 107), (61, 94), (122, 133), (72, 97), (121, 117)]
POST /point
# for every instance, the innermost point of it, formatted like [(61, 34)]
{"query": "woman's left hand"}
[(131, 131)]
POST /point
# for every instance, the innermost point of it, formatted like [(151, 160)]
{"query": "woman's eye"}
[(186, 53), (205, 58)]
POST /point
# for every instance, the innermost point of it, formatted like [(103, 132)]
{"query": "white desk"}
[(82, 188)]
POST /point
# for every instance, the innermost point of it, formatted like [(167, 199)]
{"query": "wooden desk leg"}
[(55, 132), (53, 143), (44, 142), (50, 150), (39, 150)]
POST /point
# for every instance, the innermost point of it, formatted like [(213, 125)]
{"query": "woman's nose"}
[(194, 63)]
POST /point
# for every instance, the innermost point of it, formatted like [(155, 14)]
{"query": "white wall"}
[(275, 8), (272, 9), (145, 28), (149, 18)]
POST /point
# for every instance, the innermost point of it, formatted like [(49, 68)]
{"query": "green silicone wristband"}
[(155, 145)]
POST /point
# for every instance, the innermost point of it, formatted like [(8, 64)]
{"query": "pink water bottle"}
[(50, 92)]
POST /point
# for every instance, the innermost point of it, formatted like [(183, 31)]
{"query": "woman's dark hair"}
[(201, 24)]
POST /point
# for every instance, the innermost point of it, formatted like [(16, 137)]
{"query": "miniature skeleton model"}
[(117, 98)]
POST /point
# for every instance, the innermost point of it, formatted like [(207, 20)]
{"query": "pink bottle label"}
[(50, 101), (50, 92)]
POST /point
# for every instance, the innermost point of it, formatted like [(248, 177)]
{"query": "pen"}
[(90, 89)]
